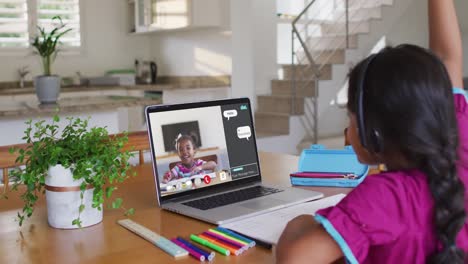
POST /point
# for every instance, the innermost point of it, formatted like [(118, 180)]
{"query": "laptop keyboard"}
[(231, 197)]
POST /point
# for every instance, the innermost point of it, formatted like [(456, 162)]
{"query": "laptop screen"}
[(200, 145)]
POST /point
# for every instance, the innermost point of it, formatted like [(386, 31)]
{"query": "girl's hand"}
[(445, 38), (306, 241), (297, 227), (196, 170), (167, 177)]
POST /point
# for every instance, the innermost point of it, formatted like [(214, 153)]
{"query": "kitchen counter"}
[(165, 83), (119, 108), (31, 108), (142, 87)]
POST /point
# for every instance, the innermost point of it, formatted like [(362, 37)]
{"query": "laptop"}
[(206, 164)]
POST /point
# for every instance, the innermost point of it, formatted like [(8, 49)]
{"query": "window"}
[(13, 23), (19, 20), (68, 10)]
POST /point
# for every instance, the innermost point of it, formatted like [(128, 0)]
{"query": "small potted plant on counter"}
[(46, 45), (77, 169)]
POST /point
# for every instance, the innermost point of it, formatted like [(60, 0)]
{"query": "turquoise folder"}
[(318, 159)]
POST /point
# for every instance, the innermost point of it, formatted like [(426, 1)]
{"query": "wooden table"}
[(108, 242)]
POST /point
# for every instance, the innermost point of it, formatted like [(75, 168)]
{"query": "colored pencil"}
[(230, 237), (226, 240), (203, 242), (192, 252), (208, 255), (234, 250), (231, 233)]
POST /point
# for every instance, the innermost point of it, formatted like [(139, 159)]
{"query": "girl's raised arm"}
[(445, 39)]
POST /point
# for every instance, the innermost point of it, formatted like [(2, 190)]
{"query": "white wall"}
[(178, 96), (244, 47), (413, 27), (243, 80), (253, 25), (265, 45), (106, 45), (209, 121), (195, 52), (192, 52)]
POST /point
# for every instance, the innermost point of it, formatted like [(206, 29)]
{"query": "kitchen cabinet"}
[(165, 15)]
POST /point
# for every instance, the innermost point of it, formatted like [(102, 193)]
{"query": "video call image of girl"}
[(186, 149)]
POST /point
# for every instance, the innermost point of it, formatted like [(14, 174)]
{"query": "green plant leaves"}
[(117, 203), (93, 156), (109, 191), (77, 222), (46, 43), (129, 212), (81, 209), (20, 219)]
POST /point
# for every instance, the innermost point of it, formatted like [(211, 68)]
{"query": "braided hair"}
[(408, 99)]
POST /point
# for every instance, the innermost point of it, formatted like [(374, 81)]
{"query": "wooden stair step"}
[(285, 88), (332, 42), (268, 123), (363, 3), (280, 104), (306, 71), (358, 14), (322, 57), (329, 56), (339, 28)]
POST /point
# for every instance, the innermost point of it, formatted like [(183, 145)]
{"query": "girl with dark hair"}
[(185, 146), (403, 113)]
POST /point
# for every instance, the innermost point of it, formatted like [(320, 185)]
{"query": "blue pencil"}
[(230, 233), (208, 255)]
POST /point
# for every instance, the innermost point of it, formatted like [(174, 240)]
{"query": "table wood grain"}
[(108, 242)]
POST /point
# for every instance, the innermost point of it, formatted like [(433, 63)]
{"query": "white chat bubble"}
[(230, 113), (244, 132)]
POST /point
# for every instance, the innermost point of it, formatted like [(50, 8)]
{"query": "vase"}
[(63, 200), (47, 88)]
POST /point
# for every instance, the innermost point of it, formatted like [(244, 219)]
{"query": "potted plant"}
[(77, 169), (46, 45)]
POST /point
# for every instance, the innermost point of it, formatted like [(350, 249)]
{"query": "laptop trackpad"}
[(262, 203)]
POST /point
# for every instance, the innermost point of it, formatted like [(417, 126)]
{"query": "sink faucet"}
[(22, 73)]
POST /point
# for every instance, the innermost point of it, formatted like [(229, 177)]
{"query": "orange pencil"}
[(236, 251)]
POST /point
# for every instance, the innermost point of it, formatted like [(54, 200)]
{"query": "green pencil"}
[(205, 243)]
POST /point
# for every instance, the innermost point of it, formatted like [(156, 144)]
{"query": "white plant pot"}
[(63, 200)]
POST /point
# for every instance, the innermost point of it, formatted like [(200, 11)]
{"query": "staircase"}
[(272, 116), (326, 33)]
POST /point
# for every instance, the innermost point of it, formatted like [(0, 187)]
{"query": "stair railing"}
[(313, 65), (306, 68)]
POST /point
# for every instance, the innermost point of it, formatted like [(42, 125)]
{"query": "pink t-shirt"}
[(388, 218), (182, 171)]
